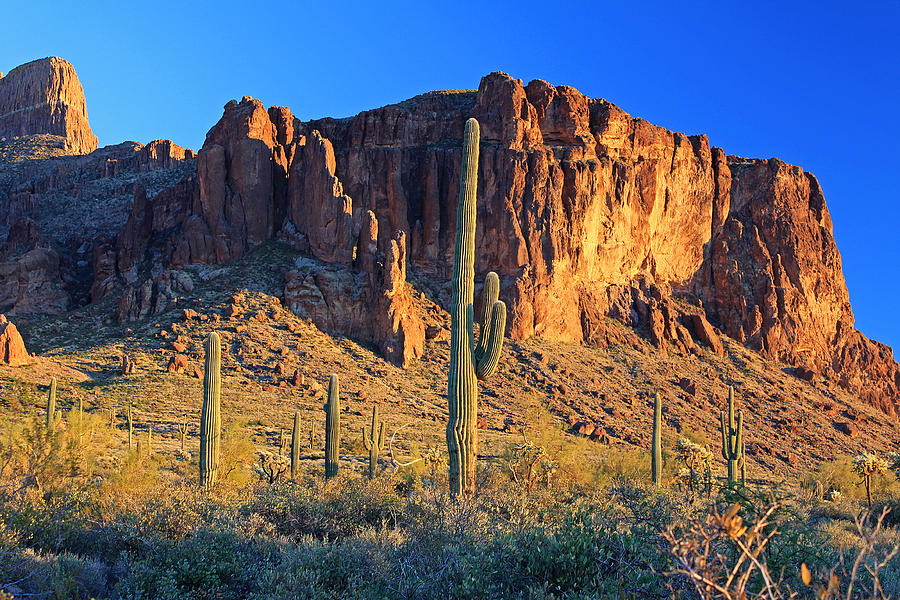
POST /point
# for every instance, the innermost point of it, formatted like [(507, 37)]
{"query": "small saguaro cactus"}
[(182, 429), (332, 428), (80, 421), (373, 441), (282, 443), (295, 446), (743, 463), (818, 490), (51, 404), (469, 360), (130, 427), (732, 437), (656, 449), (210, 414), (150, 441)]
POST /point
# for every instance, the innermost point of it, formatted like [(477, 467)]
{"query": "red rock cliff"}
[(45, 96), (584, 211)]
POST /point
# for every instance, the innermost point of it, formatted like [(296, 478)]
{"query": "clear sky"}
[(816, 84)]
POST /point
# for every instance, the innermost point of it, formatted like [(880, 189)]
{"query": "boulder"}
[(705, 334), (178, 363), (12, 347)]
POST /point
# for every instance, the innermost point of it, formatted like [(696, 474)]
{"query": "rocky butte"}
[(589, 216), (45, 97)]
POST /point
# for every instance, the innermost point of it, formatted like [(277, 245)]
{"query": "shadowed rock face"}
[(45, 97), (585, 212)]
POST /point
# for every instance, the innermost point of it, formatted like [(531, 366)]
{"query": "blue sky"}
[(816, 84)]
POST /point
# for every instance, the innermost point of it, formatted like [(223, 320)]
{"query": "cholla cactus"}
[(272, 466), (696, 458), (529, 464), (894, 463), (835, 496), (866, 466)]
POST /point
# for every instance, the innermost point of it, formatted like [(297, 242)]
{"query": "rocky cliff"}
[(585, 212), (56, 213), (45, 97)]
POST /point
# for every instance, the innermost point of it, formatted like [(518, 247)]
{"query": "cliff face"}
[(45, 97), (584, 211)]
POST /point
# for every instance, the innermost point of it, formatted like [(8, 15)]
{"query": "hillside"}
[(580, 210)]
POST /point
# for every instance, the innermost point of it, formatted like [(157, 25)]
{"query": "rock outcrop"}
[(585, 212), (58, 213), (29, 272), (12, 348), (45, 97), (259, 175)]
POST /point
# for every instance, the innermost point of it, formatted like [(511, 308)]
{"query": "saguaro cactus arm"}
[(493, 326)]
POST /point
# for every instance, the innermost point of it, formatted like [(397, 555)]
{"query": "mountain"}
[(45, 97), (592, 218)]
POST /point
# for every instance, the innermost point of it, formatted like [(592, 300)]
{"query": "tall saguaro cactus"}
[(732, 438), (210, 414), (656, 449), (373, 441), (469, 361), (295, 446), (51, 404), (332, 428)]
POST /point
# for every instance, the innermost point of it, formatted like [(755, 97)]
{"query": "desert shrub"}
[(839, 475), (62, 576), (796, 540), (330, 510), (583, 558), (209, 563), (617, 464), (238, 455), (223, 562), (565, 452)]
